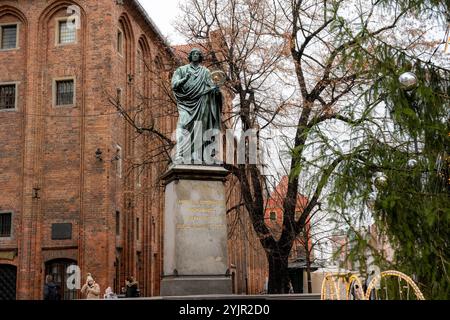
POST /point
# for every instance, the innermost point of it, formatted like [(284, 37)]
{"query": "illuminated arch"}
[(329, 285), (355, 279), (392, 273)]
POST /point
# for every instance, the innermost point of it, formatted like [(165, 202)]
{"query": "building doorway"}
[(58, 270), (8, 279)]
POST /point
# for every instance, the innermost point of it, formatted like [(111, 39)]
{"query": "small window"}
[(119, 97), (8, 36), (273, 216), (67, 32), (5, 225), (7, 96), (117, 223), (120, 41), (140, 62), (137, 229), (65, 92), (153, 227)]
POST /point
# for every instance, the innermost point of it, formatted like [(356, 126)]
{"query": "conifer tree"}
[(403, 177)]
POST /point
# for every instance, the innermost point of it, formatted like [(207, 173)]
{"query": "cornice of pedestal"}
[(195, 172)]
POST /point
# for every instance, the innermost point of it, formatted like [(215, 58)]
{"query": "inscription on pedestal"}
[(203, 214)]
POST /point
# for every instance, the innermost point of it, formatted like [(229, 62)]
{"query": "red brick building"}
[(302, 249), (274, 210), (68, 194)]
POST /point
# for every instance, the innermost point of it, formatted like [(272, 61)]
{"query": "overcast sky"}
[(164, 13)]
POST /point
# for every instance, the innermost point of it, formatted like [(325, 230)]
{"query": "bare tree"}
[(294, 72), (267, 48)]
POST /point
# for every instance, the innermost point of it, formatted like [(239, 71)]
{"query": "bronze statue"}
[(199, 103)]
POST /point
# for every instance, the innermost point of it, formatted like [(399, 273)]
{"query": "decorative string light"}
[(330, 286), (392, 273)]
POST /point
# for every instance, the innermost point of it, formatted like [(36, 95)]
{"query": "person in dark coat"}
[(51, 291), (132, 288)]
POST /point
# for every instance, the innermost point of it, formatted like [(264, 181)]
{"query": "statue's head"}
[(196, 54)]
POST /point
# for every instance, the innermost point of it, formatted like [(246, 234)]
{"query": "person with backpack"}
[(51, 289)]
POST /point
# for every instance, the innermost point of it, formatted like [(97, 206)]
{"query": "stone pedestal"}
[(195, 232)]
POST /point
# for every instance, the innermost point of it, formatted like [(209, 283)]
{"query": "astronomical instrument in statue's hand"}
[(218, 78)]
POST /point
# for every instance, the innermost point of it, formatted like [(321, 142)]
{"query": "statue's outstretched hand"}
[(187, 77)]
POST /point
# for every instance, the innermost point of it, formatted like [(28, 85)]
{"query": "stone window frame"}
[(11, 237), (120, 47), (54, 89), (6, 24), (57, 32), (16, 100)]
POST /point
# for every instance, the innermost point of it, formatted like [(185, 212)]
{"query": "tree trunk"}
[(308, 272), (278, 273)]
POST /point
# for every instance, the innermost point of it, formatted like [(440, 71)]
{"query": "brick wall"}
[(53, 148), (49, 172)]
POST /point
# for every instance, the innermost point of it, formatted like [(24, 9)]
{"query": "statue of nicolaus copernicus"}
[(199, 101)]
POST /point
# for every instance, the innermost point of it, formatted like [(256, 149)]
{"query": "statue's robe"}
[(198, 101)]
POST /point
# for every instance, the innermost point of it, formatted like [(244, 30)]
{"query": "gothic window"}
[(120, 42)]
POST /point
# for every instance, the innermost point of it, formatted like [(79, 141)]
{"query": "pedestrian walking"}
[(91, 289)]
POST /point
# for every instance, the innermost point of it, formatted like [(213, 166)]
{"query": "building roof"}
[(300, 263), (152, 24), (147, 18)]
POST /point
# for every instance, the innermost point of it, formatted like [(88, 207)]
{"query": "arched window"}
[(58, 270)]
